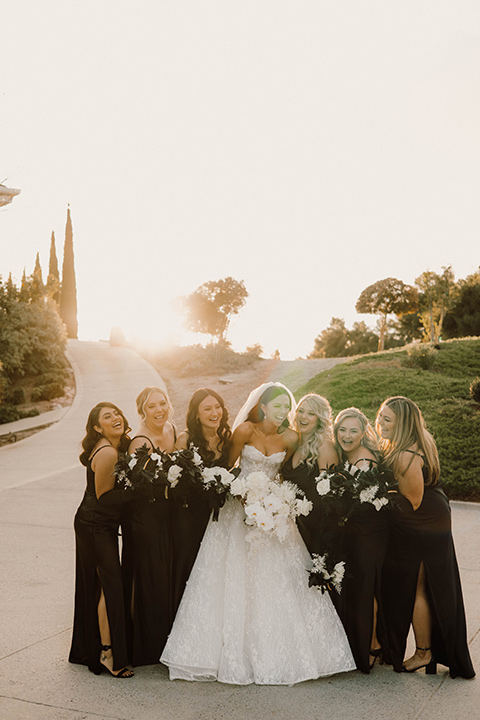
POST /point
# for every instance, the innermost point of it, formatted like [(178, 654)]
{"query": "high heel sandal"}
[(430, 667), (123, 673), (377, 654)]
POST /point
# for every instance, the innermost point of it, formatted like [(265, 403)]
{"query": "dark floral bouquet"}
[(343, 489), (182, 470), (141, 472), (326, 574), (216, 483)]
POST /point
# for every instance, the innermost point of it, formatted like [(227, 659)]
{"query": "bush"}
[(9, 413), (421, 355), (49, 391), (15, 396), (475, 389)]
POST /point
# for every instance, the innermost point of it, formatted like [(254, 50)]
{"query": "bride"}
[(247, 614)]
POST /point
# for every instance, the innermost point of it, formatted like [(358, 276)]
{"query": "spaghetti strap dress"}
[(97, 567), (425, 535), (152, 562)]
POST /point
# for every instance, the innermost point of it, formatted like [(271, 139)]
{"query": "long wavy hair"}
[(194, 428), (256, 414), (369, 440), (93, 436), (410, 429), (144, 396), (310, 449)]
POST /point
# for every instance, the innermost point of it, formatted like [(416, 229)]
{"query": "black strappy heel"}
[(123, 673), (430, 667), (377, 654)]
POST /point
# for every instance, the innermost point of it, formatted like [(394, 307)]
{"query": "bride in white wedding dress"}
[(247, 614)]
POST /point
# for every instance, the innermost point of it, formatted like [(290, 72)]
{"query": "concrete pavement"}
[(41, 484)]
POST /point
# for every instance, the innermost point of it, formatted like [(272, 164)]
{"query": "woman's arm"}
[(103, 465), (410, 478)]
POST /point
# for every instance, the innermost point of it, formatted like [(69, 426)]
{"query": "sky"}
[(306, 147)]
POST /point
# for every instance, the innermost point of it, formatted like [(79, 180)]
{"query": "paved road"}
[(41, 484)]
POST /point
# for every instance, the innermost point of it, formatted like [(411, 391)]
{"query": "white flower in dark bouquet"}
[(173, 476)]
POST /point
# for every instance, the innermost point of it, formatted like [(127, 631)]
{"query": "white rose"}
[(174, 474), (323, 486)]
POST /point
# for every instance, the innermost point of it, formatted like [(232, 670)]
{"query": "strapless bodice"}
[(253, 460)]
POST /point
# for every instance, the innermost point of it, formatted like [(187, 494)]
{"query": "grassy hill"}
[(441, 392)]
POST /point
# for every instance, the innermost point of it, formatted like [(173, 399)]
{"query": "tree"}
[(332, 341), (385, 297), (361, 339), (436, 298), (463, 318), (37, 288), (53, 279), (68, 295), (209, 309)]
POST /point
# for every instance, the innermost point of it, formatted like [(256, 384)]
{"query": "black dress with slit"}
[(97, 567), (364, 542), (425, 535)]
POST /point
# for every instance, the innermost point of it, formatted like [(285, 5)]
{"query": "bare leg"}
[(106, 656), (374, 644), (422, 625)]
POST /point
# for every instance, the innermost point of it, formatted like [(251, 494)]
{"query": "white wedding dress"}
[(247, 614)]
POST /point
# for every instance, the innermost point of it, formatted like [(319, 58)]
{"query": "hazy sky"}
[(308, 148)]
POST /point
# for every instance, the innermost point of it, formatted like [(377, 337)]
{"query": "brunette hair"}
[(93, 436), (144, 396), (410, 429), (256, 414), (194, 428), (369, 440), (310, 449)]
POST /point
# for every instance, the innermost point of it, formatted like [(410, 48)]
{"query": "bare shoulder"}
[(291, 438), (105, 456), (244, 431), (137, 442), (182, 441), (409, 462), (327, 455)]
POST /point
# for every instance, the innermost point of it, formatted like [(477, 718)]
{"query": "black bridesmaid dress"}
[(97, 567), (364, 541), (152, 563), (310, 526), (425, 535)]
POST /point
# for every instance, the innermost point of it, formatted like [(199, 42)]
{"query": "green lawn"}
[(442, 393)]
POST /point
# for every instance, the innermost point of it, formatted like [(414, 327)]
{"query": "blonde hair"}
[(310, 449), (144, 397), (410, 429), (369, 440)]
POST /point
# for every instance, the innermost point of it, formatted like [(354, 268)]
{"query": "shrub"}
[(421, 355), (49, 391), (9, 413), (15, 396), (475, 389)]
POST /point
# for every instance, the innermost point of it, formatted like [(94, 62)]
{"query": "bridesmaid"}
[(209, 433), (315, 452), (152, 611), (99, 633), (365, 540), (421, 580)]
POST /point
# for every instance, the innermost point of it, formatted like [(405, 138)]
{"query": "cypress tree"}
[(68, 294), (37, 290), (24, 294), (53, 279)]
